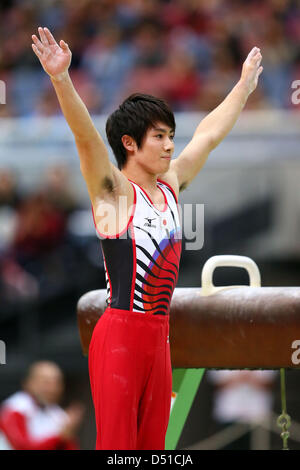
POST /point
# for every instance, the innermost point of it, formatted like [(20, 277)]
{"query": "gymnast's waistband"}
[(146, 316)]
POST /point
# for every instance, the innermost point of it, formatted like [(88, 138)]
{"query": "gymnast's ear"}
[(129, 143)]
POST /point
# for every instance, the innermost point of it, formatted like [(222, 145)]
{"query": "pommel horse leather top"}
[(231, 328)]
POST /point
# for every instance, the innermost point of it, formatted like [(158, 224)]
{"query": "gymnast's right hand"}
[(55, 59)]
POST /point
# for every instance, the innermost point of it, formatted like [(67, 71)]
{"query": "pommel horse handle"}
[(208, 287)]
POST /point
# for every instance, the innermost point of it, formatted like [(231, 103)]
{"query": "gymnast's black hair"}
[(134, 117)]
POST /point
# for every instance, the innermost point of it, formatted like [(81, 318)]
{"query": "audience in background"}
[(42, 254), (186, 51), (15, 282)]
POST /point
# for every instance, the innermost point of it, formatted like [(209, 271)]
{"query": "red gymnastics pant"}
[(131, 380)]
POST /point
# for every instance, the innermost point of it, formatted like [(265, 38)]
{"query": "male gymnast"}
[(136, 215)]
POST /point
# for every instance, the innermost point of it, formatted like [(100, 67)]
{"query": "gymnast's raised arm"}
[(100, 175), (216, 125)]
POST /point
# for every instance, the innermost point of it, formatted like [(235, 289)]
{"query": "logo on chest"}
[(149, 222)]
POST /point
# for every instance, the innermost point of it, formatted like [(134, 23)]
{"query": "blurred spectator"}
[(148, 41), (15, 283), (32, 419), (9, 193), (108, 59), (279, 55), (114, 42), (47, 104), (42, 215), (57, 188), (9, 202), (44, 255), (218, 81), (39, 245), (183, 80), (48, 246), (242, 396), (40, 226)]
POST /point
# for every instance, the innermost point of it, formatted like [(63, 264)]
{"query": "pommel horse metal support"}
[(232, 327)]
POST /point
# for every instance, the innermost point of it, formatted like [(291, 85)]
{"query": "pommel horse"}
[(232, 327)]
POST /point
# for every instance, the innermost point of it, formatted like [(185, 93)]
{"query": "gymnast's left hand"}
[(252, 69)]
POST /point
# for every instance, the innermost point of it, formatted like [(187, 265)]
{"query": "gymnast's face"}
[(156, 151), (158, 147)]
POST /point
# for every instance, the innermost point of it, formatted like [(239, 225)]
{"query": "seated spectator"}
[(32, 419)]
